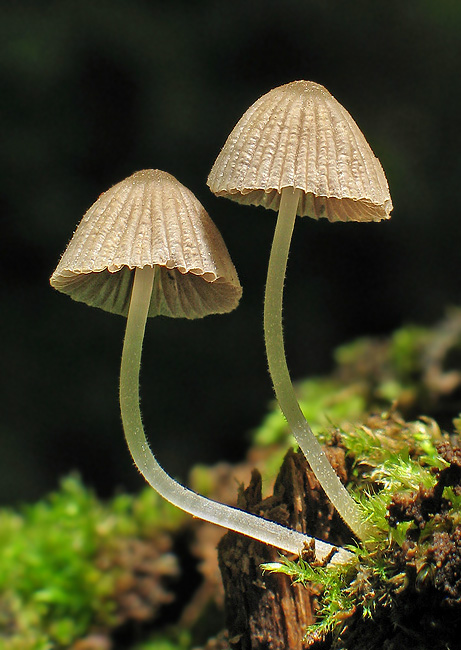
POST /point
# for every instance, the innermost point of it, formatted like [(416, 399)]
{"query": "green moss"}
[(55, 585), (391, 457), (174, 639), (406, 345)]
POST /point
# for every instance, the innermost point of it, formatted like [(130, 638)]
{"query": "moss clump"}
[(173, 639), (407, 476), (417, 366), (68, 565)]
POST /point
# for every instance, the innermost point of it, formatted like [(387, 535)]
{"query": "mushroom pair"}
[(298, 151), (147, 247)]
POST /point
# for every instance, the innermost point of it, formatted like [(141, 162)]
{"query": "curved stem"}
[(275, 349), (198, 506)]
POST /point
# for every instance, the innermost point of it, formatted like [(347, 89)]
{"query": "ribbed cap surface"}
[(299, 136), (149, 219)]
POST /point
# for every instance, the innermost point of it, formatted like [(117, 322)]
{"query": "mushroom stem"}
[(283, 387), (196, 505)]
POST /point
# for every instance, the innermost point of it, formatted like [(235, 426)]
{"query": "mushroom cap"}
[(149, 219), (299, 136)]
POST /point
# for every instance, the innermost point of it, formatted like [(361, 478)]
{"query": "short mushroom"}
[(298, 151), (147, 247)]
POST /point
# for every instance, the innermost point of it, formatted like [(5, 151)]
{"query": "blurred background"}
[(92, 91)]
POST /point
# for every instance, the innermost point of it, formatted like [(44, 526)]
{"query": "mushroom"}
[(147, 247), (298, 151)]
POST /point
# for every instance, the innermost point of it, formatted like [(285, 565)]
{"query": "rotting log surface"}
[(266, 611)]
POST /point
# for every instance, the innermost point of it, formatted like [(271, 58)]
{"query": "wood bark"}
[(266, 611)]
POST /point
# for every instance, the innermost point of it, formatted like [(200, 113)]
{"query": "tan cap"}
[(149, 219), (299, 136)]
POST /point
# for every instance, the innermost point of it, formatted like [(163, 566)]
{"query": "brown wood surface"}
[(265, 611)]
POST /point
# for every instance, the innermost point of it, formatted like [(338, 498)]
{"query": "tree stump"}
[(266, 611)]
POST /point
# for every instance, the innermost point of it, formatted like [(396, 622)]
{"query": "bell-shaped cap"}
[(149, 219), (299, 136)]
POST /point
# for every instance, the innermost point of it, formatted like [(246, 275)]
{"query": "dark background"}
[(92, 91)]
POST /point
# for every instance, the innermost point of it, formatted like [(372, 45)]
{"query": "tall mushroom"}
[(298, 151), (147, 247)]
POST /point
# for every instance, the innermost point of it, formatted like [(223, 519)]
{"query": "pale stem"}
[(196, 505), (283, 387)]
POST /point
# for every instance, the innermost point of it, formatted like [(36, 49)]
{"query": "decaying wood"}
[(265, 611)]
